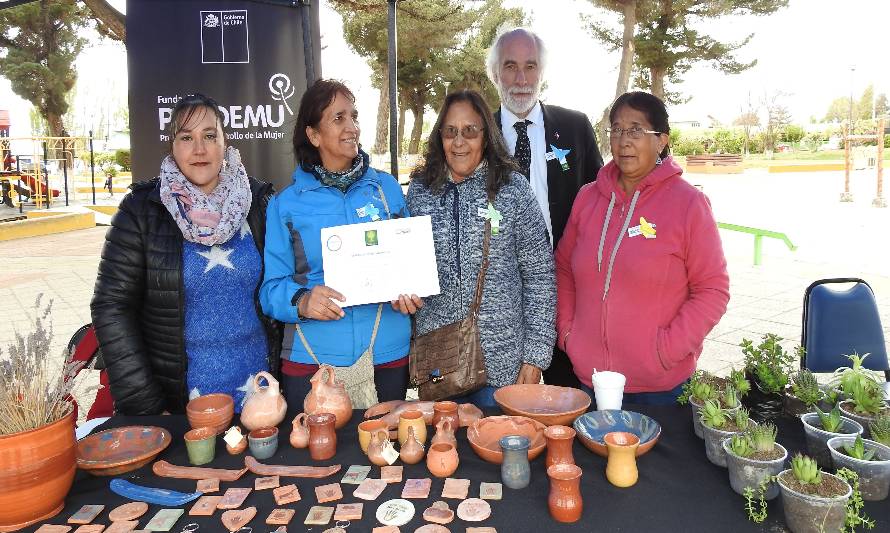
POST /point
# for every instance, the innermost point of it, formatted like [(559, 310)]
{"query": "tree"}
[(865, 103), (881, 106), (748, 120), (839, 110), (110, 22), (667, 43), (777, 117), (40, 42)]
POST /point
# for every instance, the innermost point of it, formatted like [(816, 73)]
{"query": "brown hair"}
[(187, 107), (315, 100)]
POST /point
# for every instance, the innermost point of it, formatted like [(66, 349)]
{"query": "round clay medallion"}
[(432, 528), (128, 511), (473, 510), (396, 512), (439, 513)]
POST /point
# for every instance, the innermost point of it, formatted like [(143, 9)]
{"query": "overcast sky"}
[(806, 50)]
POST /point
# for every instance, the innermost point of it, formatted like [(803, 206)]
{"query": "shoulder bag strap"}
[(480, 279), (370, 347)]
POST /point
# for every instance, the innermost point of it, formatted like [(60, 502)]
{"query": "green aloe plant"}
[(858, 450), (805, 388), (742, 419), (763, 436), (741, 445), (806, 470), (867, 397), (846, 378), (830, 421), (730, 397), (740, 382), (880, 429), (712, 416)]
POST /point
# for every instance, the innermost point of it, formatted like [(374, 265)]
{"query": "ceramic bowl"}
[(593, 426), (212, 411), (485, 435), (115, 451), (548, 404)]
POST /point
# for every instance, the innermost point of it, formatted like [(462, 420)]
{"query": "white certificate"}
[(377, 261)]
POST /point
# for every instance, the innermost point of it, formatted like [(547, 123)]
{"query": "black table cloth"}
[(678, 488)]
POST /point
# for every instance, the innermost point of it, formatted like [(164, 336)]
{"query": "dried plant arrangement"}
[(34, 389)]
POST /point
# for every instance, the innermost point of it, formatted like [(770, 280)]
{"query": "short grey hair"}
[(493, 61)]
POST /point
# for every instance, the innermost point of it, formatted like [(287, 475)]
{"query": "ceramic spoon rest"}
[(167, 498)]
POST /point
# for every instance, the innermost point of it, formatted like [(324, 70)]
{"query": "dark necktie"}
[(523, 151)]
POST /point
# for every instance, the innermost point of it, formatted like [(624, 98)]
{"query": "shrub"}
[(688, 146), (122, 158), (729, 141)]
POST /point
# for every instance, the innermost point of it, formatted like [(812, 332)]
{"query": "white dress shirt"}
[(538, 170)]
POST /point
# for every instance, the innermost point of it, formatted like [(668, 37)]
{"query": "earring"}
[(657, 160)]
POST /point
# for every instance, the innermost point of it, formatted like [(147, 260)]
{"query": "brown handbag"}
[(448, 361)]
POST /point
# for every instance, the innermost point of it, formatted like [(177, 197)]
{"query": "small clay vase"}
[(379, 442), (445, 410), (234, 434), (621, 470), (200, 443), (565, 502), (412, 450), (444, 433), (322, 438), (328, 395), (299, 436), (559, 445), (413, 419), (366, 429), (442, 459), (263, 442), (515, 470), (265, 407)]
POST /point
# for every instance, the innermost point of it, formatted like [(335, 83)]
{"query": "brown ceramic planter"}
[(36, 471), (211, 411), (322, 438)]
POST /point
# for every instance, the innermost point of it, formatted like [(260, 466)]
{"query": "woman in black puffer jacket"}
[(175, 304)]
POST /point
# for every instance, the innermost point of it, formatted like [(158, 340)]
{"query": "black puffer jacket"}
[(137, 305)]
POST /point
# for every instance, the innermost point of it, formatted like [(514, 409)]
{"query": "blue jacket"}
[(293, 261)]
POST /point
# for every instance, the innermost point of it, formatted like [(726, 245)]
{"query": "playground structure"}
[(849, 140), (29, 180)]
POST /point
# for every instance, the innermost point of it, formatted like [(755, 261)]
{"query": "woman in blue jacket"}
[(333, 185)]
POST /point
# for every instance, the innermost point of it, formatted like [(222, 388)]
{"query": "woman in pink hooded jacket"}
[(641, 276)]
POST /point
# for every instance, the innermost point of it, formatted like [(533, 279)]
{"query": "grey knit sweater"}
[(517, 316)]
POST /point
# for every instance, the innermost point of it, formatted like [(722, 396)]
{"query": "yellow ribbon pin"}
[(646, 229)]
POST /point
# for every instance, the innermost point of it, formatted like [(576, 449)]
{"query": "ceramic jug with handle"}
[(299, 436), (328, 395), (265, 407)]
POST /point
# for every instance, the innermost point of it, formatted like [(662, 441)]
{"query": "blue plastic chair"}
[(839, 321)]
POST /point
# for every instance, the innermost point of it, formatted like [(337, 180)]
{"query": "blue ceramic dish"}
[(593, 426)]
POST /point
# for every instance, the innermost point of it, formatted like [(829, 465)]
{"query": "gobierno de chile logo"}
[(211, 21)]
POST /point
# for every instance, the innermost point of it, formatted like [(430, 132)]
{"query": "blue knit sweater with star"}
[(224, 339)]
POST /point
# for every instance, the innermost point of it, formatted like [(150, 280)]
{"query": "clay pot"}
[(322, 438), (412, 450), (266, 407), (444, 433), (621, 470), (328, 395), (445, 411), (565, 502), (211, 411), (366, 429), (559, 445), (412, 419), (442, 459), (379, 442), (515, 470), (200, 443), (263, 442), (37, 469), (299, 436)]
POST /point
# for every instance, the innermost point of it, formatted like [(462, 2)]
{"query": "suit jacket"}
[(567, 129)]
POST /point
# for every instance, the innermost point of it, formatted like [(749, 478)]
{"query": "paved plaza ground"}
[(834, 239)]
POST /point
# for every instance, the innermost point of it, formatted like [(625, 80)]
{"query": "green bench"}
[(759, 234)]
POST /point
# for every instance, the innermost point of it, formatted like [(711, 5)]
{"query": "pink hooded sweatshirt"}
[(634, 304)]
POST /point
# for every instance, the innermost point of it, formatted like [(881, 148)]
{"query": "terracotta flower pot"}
[(36, 471), (442, 459)]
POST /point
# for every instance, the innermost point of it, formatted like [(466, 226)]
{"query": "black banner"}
[(246, 55)]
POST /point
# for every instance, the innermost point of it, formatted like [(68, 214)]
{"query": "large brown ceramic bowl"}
[(548, 404), (115, 451), (484, 436), (211, 411)]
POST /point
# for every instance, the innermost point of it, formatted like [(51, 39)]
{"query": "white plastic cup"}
[(608, 388)]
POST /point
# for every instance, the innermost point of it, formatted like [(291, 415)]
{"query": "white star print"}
[(245, 230), (217, 256), (247, 388)]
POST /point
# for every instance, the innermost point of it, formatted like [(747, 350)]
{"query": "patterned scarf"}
[(342, 180), (207, 219)]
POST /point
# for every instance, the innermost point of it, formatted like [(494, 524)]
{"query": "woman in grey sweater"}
[(467, 163)]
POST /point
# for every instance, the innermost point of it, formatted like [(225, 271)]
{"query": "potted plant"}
[(803, 394), (880, 429), (820, 426), (845, 377), (704, 386), (865, 403), (814, 501), (718, 424), (768, 365), (37, 443), (754, 457), (869, 459)]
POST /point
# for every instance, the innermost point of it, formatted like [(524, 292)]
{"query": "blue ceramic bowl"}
[(593, 426)]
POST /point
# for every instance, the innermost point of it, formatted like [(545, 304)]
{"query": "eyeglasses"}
[(468, 132), (635, 132)]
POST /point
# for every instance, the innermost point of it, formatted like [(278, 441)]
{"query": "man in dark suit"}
[(554, 146)]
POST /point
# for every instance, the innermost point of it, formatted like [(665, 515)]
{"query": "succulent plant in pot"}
[(719, 424), (880, 429), (803, 394), (869, 459), (846, 377), (753, 458), (769, 366), (813, 501), (865, 404), (820, 426), (700, 388)]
